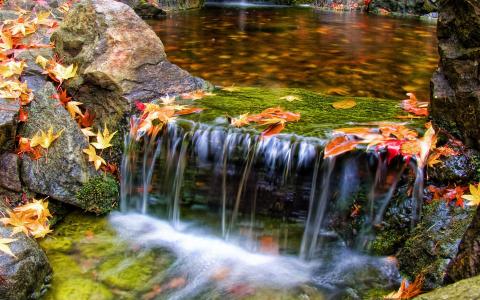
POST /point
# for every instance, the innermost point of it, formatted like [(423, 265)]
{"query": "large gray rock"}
[(120, 59), (9, 172), (23, 276), (468, 289), (8, 122), (62, 173), (455, 100)]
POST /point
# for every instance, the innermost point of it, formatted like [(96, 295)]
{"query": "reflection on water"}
[(352, 54)]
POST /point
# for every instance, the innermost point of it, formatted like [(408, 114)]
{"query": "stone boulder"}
[(467, 261), (468, 289), (25, 275), (156, 8), (62, 172), (434, 242), (455, 99), (8, 122), (120, 59)]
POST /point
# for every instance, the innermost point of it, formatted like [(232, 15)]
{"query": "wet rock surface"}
[(120, 59), (456, 84), (434, 242), (25, 275), (62, 171), (157, 8), (467, 261), (468, 289), (9, 172)]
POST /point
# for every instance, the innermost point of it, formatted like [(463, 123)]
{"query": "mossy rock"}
[(63, 266), (467, 289), (99, 195), (434, 242), (79, 288), (318, 117), (127, 273)]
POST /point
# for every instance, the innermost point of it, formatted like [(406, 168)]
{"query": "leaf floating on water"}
[(189, 110), (339, 145), (344, 104), (412, 106), (273, 129)]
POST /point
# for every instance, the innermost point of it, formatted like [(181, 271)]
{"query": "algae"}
[(318, 116)]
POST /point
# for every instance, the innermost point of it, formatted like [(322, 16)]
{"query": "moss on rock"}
[(99, 195), (467, 289), (127, 273)]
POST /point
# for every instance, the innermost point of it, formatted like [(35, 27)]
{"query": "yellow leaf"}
[(61, 73), (344, 104), (7, 41), (45, 139), (73, 109), (18, 222), (291, 98), (93, 157), (474, 198), (88, 131), (103, 139), (4, 246), (11, 68), (37, 209), (41, 61)]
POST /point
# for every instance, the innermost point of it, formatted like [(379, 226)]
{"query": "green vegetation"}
[(99, 195)]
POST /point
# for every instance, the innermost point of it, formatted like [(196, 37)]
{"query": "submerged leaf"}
[(344, 104)]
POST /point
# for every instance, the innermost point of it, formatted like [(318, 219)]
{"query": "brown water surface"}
[(347, 54)]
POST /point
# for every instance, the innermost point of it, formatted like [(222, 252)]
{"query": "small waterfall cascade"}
[(241, 177), (216, 195)]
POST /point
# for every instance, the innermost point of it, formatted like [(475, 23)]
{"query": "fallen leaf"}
[(45, 139), (339, 145), (344, 104), (4, 246), (103, 139), (474, 197), (93, 157)]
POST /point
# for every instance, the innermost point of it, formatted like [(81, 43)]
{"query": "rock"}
[(157, 8), (468, 289), (455, 99), (61, 173), (9, 172), (459, 169), (24, 276), (407, 7), (80, 288), (8, 122), (467, 261), (434, 242), (120, 59)]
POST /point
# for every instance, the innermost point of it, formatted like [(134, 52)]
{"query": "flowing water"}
[(209, 211), (347, 54)]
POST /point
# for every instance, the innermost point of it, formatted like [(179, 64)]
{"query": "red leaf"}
[(62, 97), (22, 115), (140, 105), (87, 119)]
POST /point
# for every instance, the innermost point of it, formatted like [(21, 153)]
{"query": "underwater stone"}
[(79, 288), (127, 273)]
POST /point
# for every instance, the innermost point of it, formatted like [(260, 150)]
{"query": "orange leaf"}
[(344, 104), (87, 119), (22, 115), (187, 111), (273, 129), (339, 145)]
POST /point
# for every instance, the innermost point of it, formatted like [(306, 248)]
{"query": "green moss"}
[(318, 116), (127, 273), (99, 195), (79, 288), (386, 243), (467, 289)]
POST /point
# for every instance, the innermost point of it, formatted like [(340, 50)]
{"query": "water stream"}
[(207, 192)]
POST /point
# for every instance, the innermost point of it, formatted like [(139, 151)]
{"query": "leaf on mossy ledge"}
[(103, 139), (344, 104)]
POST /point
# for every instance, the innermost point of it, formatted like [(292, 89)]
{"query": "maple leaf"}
[(45, 139), (93, 157), (339, 145), (407, 291), (474, 197), (273, 129), (41, 61), (88, 132), (103, 139), (4, 246), (242, 120), (62, 97), (73, 109), (7, 40), (231, 89), (411, 105), (187, 111), (11, 68), (86, 120), (39, 230), (18, 221), (37, 209), (23, 146), (167, 100), (22, 115), (59, 73)]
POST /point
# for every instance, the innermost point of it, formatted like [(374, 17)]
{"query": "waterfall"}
[(242, 176)]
